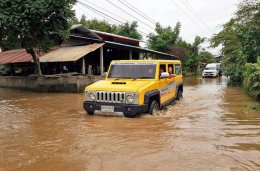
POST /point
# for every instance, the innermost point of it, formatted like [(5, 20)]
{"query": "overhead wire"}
[(99, 7), (125, 3), (84, 11), (105, 15), (194, 12), (140, 11), (186, 14), (115, 5), (115, 15)]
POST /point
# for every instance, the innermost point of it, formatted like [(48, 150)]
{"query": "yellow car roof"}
[(149, 60)]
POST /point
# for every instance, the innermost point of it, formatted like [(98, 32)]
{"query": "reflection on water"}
[(210, 129)]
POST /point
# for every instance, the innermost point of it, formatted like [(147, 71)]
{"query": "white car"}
[(211, 70)]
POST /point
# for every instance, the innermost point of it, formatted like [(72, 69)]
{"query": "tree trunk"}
[(37, 66)]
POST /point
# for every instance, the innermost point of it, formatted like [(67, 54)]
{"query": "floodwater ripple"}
[(211, 128)]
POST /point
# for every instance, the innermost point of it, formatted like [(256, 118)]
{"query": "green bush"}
[(251, 83)]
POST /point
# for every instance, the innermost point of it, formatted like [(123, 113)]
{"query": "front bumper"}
[(127, 109), (209, 74)]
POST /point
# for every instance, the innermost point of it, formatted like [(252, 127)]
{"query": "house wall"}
[(68, 84)]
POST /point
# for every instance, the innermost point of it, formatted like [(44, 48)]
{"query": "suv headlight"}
[(132, 98), (90, 95)]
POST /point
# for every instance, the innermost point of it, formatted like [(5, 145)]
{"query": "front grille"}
[(111, 97)]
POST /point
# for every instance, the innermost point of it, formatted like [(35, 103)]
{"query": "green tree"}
[(34, 23), (129, 30), (191, 58), (206, 57), (164, 38), (240, 40), (101, 26)]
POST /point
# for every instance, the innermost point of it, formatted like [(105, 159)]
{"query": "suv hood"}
[(124, 85)]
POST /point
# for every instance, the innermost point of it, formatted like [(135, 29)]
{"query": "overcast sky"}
[(197, 17)]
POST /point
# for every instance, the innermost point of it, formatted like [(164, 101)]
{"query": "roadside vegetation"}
[(240, 40)]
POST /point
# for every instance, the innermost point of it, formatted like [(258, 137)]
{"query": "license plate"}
[(107, 108)]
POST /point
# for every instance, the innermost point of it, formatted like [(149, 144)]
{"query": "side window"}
[(177, 69), (162, 69), (170, 69)]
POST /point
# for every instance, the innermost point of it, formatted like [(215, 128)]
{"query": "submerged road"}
[(212, 128)]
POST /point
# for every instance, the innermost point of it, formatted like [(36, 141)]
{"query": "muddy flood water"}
[(212, 128)]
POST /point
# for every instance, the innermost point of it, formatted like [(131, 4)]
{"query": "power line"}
[(129, 14), (83, 11), (105, 15), (125, 3), (113, 14), (140, 11), (99, 12), (106, 10), (186, 14), (194, 12)]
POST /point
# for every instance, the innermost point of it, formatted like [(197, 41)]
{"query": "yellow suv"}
[(136, 86)]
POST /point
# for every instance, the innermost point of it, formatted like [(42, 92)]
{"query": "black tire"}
[(90, 112), (127, 115), (154, 108), (179, 95)]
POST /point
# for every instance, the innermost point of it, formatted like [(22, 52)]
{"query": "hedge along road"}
[(212, 128)]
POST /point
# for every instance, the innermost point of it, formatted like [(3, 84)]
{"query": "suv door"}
[(178, 73), (171, 82), (163, 82)]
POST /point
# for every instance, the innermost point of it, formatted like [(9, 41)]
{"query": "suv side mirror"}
[(165, 75)]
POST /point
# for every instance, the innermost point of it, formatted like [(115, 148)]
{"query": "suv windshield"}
[(210, 68), (136, 70)]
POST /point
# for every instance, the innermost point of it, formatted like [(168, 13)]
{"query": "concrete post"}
[(101, 60), (141, 55), (83, 68), (130, 54)]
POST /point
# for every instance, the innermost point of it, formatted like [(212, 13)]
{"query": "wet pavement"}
[(212, 128)]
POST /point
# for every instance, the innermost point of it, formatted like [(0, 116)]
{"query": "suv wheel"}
[(154, 108), (129, 115), (90, 112), (179, 95)]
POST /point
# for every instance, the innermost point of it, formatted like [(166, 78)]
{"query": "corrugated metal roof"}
[(84, 31), (141, 49), (68, 54), (15, 56), (114, 35)]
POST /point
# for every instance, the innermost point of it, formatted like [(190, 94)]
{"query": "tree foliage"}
[(240, 39), (164, 38), (129, 30), (251, 83), (168, 40), (33, 24), (206, 57)]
